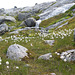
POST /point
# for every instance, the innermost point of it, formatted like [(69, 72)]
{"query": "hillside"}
[(38, 40)]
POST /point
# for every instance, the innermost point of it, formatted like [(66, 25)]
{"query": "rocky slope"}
[(38, 40)]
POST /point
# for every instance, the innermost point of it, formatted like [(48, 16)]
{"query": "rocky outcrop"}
[(16, 52), (54, 10), (7, 18), (30, 22), (3, 28)]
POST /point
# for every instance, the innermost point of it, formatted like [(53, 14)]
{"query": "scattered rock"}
[(68, 55), (7, 18), (30, 22), (45, 56), (3, 28), (17, 31), (16, 52), (50, 42)]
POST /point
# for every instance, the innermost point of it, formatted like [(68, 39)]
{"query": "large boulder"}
[(3, 28), (17, 52), (7, 18), (30, 22), (23, 16)]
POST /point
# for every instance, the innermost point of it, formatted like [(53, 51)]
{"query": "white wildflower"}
[(62, 57), (7, 66), (58, 53), (31, 44), (7, 63), (65, 60), (50, 56), (55, 52), (17, 67)]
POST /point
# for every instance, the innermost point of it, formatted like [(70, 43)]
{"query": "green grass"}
[(39, 67)]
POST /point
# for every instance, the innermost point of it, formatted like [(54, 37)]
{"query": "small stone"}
[(45, 56)]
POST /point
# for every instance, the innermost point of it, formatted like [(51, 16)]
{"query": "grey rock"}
[(69, 55), (3, 28), (23, 16), (16, 52), (17, 31), (50, 42), (55, 9), (45, 56), (65, 1), (30, 22), (7, 18)]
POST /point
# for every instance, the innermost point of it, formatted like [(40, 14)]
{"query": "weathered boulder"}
[(16, 52), (30, 22), (68, 55), (7, 18), (45, 56), (23, 16), (3, 28)]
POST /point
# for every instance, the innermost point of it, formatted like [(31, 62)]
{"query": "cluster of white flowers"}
[(7, 64), (16, 38), (57, 34), (57, 53), (65, 56)]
